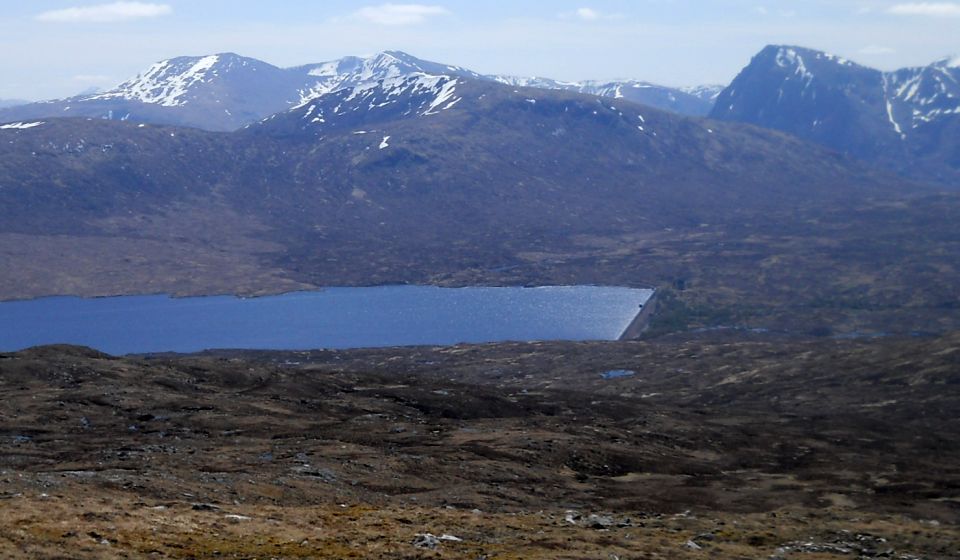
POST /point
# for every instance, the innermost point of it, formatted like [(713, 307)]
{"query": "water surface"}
[(331, 318)]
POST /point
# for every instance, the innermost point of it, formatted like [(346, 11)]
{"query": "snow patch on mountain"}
[(166, 82), (443, 95), (789, 58), (20, 125)]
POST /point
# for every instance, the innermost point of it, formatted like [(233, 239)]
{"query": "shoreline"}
[(270, 292), (641, 321)]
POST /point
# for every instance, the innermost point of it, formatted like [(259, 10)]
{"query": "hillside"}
[(748, 449)]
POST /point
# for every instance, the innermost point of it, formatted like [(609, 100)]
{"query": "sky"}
[(57, 48)]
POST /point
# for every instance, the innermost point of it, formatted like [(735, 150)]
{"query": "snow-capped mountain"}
[(215, 92), (227, 91), (694, 101), (184, 80), (353, 71), (902, 119)]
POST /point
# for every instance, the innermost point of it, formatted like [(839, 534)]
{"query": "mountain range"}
[(226, 91), (436, 175), (907, 120), (405, 143)]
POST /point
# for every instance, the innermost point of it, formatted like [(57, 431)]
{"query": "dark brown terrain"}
[(715, 447)]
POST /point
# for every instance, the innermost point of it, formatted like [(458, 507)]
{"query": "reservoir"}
[(330, 318)]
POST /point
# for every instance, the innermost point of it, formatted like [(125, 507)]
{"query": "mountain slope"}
[(531, 160), (900, 120)]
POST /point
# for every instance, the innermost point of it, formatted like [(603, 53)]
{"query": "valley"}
[(791, 391)]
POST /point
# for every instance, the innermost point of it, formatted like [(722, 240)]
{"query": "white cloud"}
[(936, 9), (106, 13), (874, 50), (399, 14), (587, 14), (763, 11)]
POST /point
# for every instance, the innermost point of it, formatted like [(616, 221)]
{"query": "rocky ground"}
[(689, 448)]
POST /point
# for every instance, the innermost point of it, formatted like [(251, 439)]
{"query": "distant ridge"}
[(5, 103), (226, 91)]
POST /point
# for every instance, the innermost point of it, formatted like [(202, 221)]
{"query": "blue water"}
[(618, 373), (331, 318)]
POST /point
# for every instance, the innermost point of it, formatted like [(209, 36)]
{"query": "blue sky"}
[(56, 48)]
